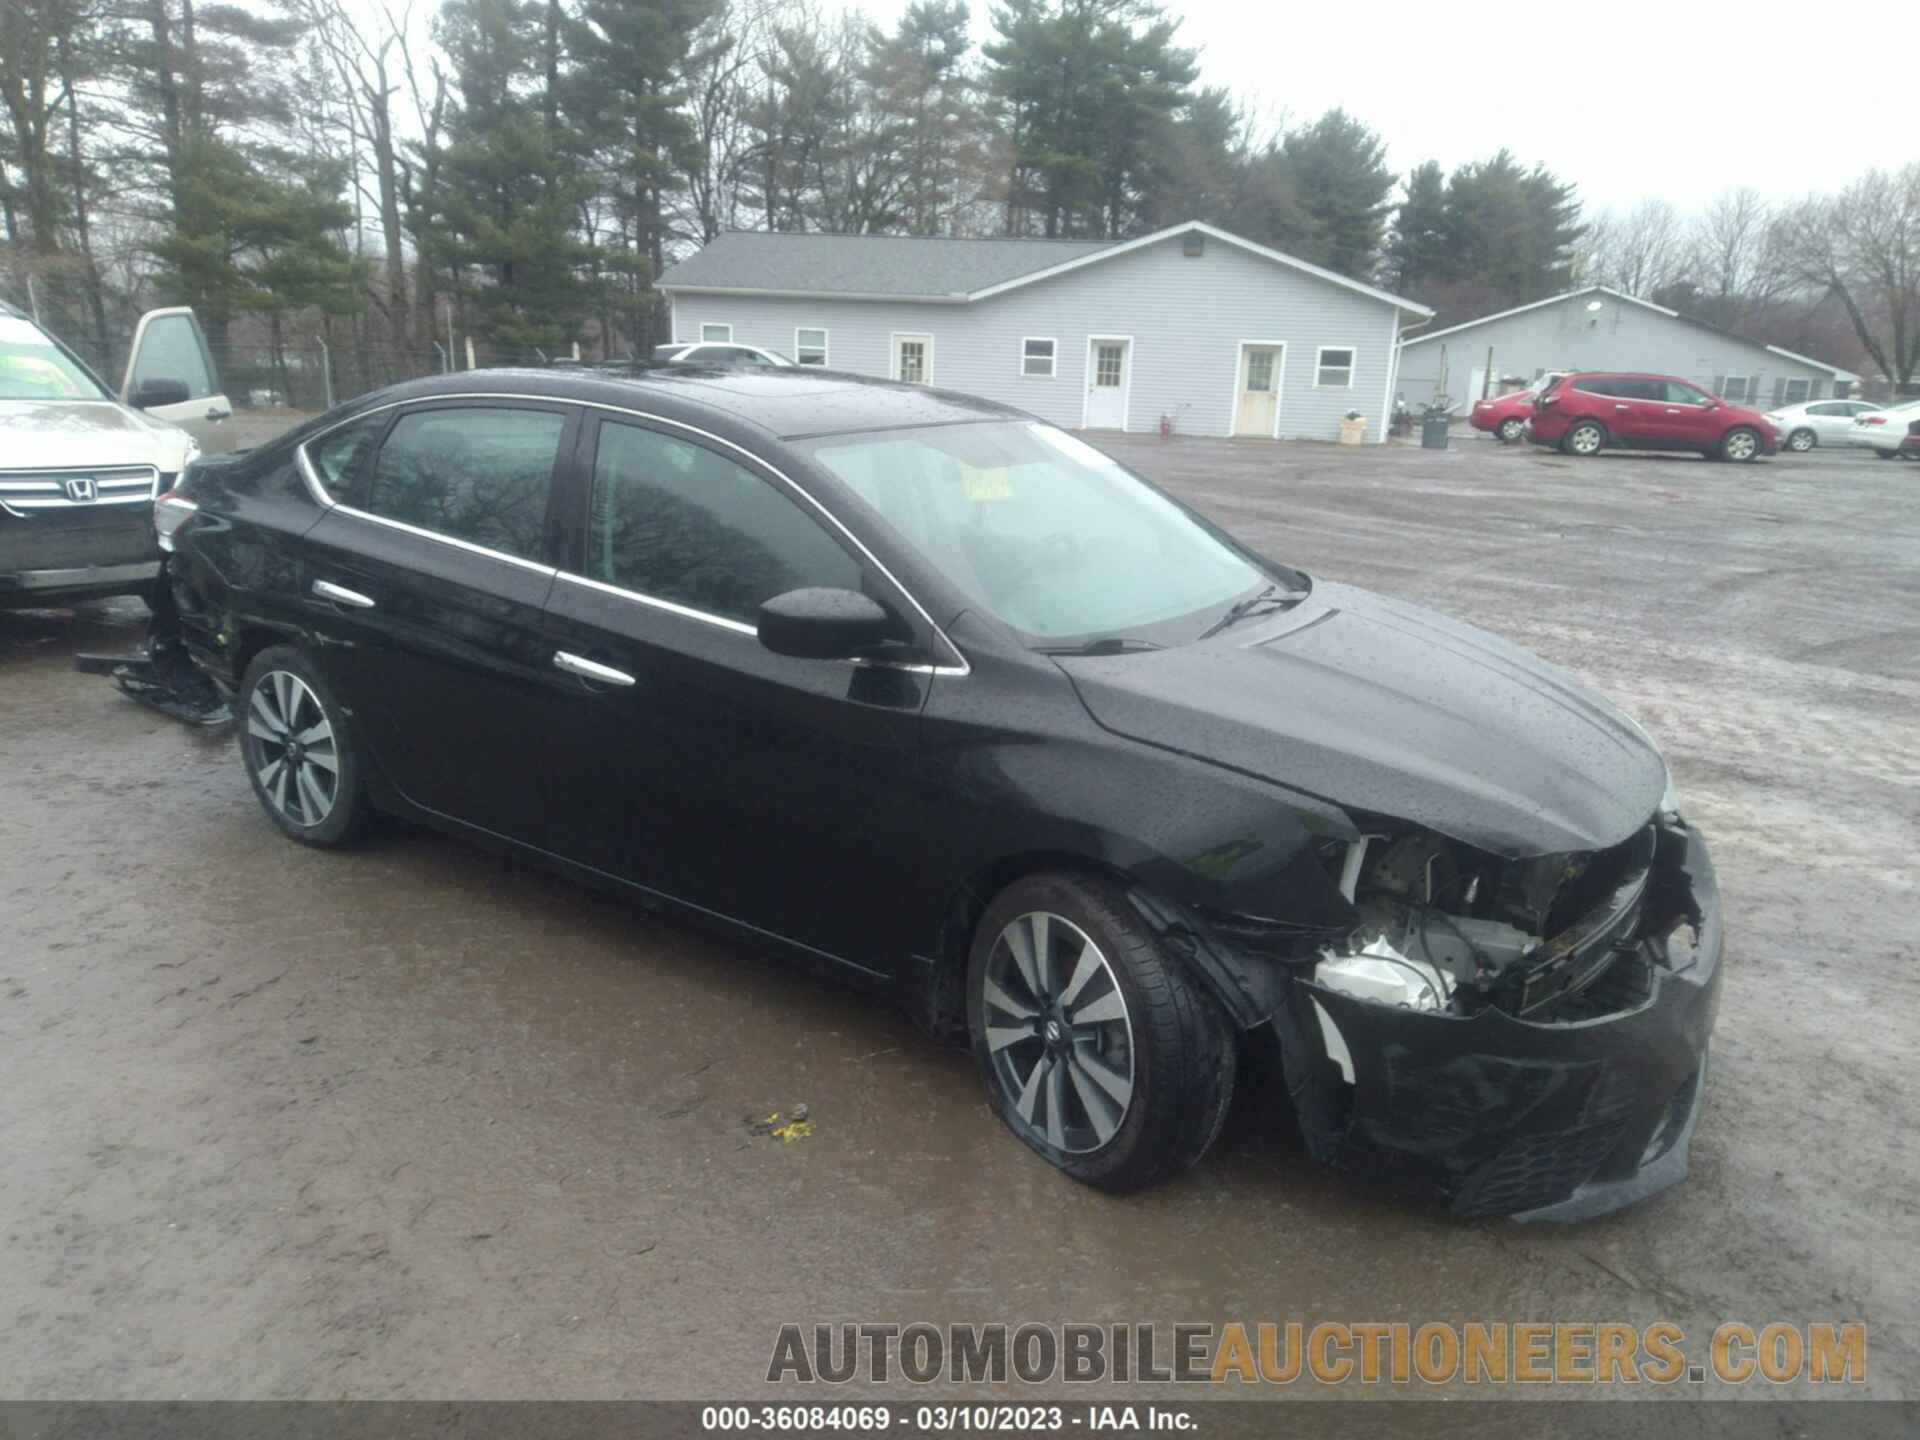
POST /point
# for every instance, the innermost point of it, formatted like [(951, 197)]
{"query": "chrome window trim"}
[(320, 495)]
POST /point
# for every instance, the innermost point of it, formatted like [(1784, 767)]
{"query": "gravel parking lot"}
[(414, 1121)]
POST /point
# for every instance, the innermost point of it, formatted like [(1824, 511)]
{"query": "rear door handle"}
[(340, 595), (590, 669), (217, 414), (1622, 407)]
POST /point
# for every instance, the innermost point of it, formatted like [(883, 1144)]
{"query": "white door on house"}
[(913, 359), (1477, 385), (1107, 362), (1259, 406)]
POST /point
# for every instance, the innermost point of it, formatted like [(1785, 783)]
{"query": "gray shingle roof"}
[(867, 264)]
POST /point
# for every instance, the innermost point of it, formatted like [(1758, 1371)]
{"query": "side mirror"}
[(823, 624), (151, 392)]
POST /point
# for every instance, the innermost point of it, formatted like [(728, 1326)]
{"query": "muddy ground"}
[(416, 1122)]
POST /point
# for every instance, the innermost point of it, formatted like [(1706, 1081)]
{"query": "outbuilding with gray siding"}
[(1213, 333), (1597, 328)]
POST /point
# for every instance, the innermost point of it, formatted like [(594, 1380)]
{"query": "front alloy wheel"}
[(1058, 1032), (1099, 1051), (1800, 441), (1740, 445)]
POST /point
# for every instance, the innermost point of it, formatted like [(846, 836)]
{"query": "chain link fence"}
[(317, 376)]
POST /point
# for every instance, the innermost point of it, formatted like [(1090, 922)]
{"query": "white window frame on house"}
[(801, 351), (706, 339), (1806, 391), (1746, 389), (1320, 367), (1052, 357), (894, 337)]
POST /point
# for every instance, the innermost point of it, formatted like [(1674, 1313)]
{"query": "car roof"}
[(788, 403)]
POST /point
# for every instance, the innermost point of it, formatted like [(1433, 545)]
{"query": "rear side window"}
[(678, 522), (344, 460), (481, 475), (1629, 389)]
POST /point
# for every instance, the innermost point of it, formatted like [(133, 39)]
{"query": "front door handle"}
[(590, 669), (340, 595), (217, 414), (1622, 407)]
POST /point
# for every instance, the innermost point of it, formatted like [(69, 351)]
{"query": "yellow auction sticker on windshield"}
[(984, 486)]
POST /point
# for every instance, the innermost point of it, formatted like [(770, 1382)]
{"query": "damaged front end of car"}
[(1526, 1035)]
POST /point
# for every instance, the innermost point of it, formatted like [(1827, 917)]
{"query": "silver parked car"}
[(1819, 422)]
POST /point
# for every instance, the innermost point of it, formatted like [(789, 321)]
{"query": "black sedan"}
[(920, 692)]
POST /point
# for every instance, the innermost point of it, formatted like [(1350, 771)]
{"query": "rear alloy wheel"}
[(1510, 431), (1801, 441), (1740, 445), (1587, 437), (1098, 1051), (297, 744)]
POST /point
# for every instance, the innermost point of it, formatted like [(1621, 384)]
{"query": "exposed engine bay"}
[(1444, 928)]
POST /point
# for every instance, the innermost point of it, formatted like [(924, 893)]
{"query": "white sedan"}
[(1892, 432), (715, 352), (1819, 422)]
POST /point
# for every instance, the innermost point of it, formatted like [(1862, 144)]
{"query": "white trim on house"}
[(1239, 374), (1352, 367), (894, 337), (1053, 357), (1126, 379), (1550, 300), (823, 347), (706, 339), (1213, 231), (1834, 370), (1393, 374), (813, 294)]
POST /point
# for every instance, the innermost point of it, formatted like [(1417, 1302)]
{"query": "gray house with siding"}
[(1215, 333), (1597, 328)]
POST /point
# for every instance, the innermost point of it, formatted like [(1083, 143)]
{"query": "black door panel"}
[(447, 674)]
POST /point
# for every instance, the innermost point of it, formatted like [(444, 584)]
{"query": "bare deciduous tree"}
[(1863, 247)]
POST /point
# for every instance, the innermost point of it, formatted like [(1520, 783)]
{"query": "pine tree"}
[(1339, 171)]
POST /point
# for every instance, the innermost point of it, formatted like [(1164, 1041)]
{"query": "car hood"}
[(1391, 709), (63, 434)]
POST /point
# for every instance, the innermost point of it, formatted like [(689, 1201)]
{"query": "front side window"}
[(1335, 368), (1036, 358), (678, 522), (1678, 393), (481, 475), (810, 347), (722, 334), (171, 349), (32, 367), (1042, 530)]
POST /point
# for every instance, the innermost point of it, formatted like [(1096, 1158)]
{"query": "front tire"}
[(1740, 446), (1100, 1052), (1801, 441), (301, 750), (1585, 438), (1510, 431)]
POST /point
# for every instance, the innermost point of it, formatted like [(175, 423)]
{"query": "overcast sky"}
[(1627, 99)]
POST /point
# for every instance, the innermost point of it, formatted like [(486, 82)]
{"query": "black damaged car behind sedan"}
[(917, 691)]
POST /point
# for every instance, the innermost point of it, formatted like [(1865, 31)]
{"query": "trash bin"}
[(1353, 430), (1433, 432)]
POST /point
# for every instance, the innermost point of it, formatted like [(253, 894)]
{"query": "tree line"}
[(298, 167)]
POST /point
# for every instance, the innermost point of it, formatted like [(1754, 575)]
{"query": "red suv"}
[(1585, 413)]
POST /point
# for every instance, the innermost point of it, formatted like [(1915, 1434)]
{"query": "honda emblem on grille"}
[(81, 490)]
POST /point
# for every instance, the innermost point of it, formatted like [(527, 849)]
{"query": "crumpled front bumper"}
[(1542, 1121)]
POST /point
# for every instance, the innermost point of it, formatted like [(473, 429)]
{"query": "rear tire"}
[(1801, 441), (1584, 438), (301, 750), (1741, 445), (1510, 431), (1101, 1053)]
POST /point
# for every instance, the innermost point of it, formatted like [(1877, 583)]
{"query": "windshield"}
[(1045, 532), (32, 367)]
